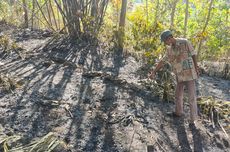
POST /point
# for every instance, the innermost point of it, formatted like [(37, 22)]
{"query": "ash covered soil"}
[(91, 98)]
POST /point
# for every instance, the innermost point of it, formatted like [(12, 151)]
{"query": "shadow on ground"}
[(88, 113)]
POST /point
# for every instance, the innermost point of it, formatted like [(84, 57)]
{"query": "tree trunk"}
[(72, 19), (48, 12), (60, 7), (173, 13), (32, 17), (26, 23), (82, 16), (101, 13), (53, 14), (227, 15), (147, 13), (58, 19), (156, 13), (94, 8), (205, 26), (44, 16), (121, 32), (123, 13), (186, 18)]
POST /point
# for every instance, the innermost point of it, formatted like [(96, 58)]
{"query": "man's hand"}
[(152, 75), (197, 71)]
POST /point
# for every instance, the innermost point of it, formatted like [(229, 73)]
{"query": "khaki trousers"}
[(191, 95)]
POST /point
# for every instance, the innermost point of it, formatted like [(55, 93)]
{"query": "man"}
[(181, 55)]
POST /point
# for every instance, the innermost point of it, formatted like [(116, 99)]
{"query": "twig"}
[(160, 145), (132, 138), (52, 11), (71, 115), (33, 14), (223, 129), (40, 8), (211, 117)]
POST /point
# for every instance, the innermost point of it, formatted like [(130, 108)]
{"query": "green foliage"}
[(166, 81), (8, 83), (164, 84), (10, 12), (218, 38), (3, 10), (143, 33), (7, 46), (212, 107), (4, 42)]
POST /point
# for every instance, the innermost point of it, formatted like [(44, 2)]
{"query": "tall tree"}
[(121, 32), (156, 13), (53, 14), (82, 16), (48, 12), (227, 11), (205, 26), (174, 4), (147, 11), (71, 7), (94, 8), (26, 21), (32, 18), (186, 18), (123, 13)]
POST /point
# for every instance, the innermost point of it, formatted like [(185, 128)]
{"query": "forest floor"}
[(89, 97)]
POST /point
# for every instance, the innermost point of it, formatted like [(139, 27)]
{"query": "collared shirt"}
[(180, 57)]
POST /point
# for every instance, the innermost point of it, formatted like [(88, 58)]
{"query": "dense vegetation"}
[(136, 24)]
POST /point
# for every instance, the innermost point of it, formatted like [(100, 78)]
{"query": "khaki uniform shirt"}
[(180, 57)]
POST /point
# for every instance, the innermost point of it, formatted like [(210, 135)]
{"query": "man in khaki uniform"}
[(181, 55)]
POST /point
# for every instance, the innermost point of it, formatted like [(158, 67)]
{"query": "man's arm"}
[(195, 64), (194, 56), (153, 72)]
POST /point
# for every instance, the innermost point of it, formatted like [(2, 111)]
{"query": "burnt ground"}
[(104, 110)]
